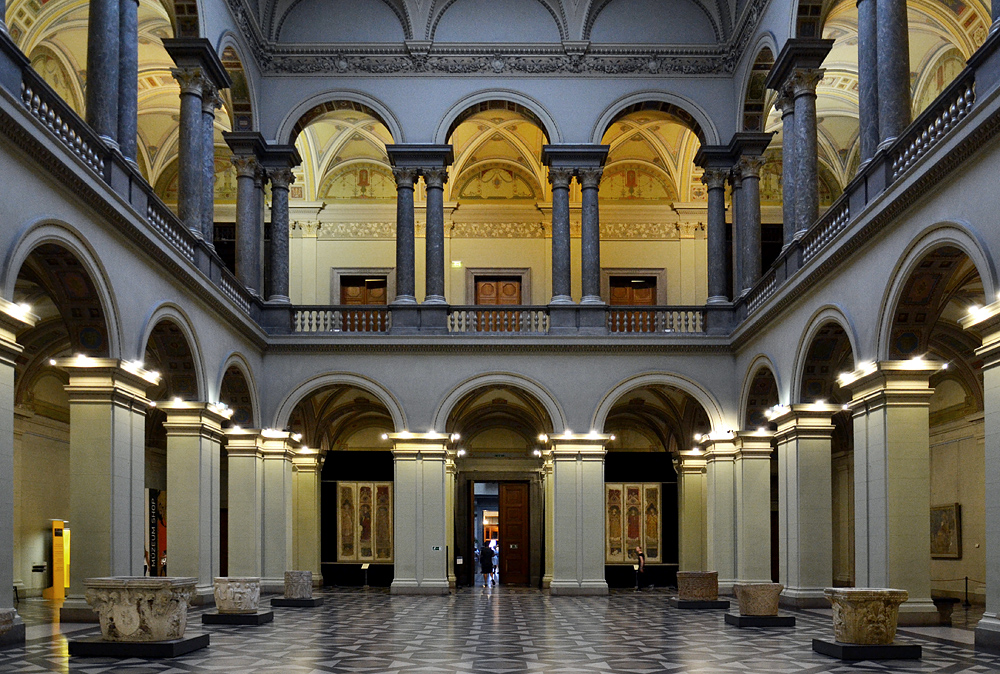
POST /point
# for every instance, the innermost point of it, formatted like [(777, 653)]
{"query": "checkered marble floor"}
[(477, 630)]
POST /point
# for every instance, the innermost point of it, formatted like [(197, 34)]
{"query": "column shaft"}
[(893, 70), (190, 164), (752, 494), (102, 68), (435, 179), (736, 181), (209, 103), (577, 514), (749, 168), (245, 457), (590, 236), (256, 243), (548, 484), (405, 255), (248, 226), (128, 78), (280, 180), (306, 492), (194, 467), (805, 504), (716, 234), (806, 185), (691, 495), (278, 515), (720, 509), (788, 168), (420, 523), (561, 257), (868, 78)]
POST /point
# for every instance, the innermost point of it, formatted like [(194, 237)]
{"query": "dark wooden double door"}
[(514, 538)]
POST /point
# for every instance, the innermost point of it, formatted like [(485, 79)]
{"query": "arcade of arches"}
[(308, 285)]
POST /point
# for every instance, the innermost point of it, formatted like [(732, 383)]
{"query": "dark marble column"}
[(190, 163), (715, 179), (248, 230), (434, 180), (210, 102), (256, 244), (561, 258), (806, 187), (868, 79), (590, 235), (749, 169), (405, 265), (736, 184), (280, 180), (102, 69), (893, 70), (3, 16), (128, 78), (786, 104)]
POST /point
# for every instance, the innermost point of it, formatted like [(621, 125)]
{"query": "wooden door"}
[(633, 291), (361, 291), (498, 291), (514, 533)]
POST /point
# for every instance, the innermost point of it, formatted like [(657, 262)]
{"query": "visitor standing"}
[(486, 563)]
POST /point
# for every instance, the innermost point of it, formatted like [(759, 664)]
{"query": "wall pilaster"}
[(278, 449), (307, 468), (245, 457), (693, 539), (752, 497), (720, 498)]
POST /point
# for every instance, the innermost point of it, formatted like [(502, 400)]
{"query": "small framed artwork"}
[(946, 531)]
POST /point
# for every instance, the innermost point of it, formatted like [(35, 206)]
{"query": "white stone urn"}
[(698, 585), (865, 615), (237, 595), (758, 598), (6, 620), (137, 608), (298, 584)]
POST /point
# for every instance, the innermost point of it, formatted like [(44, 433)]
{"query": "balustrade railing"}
[(762, 291), (360, 319), (522, 319), (954, 103), (169, 225), (827, 227), (235, 290), (655, 320), (46, 106)]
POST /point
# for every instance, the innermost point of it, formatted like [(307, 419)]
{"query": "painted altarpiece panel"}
[(632, 518), (364, 522)]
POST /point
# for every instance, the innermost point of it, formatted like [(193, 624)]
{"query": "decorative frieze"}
[(623, 231), (137, 609), (498, 230)]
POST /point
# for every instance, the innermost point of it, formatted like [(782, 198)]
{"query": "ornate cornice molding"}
[(492, 60)]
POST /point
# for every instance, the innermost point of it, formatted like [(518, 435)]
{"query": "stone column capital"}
[(803, 81), (890, 382), (715, 179), (435, 177), (281, 178), (986, 322), (210, 100), (692, 463), (96, 379), (191, 80), (309, 461), (260, 177), (735, 178), (805, 420), (785, 104), (590, 178), (560, 178), (194, 419), (244, 442), (749, 167), (405, 177), (246, 166)]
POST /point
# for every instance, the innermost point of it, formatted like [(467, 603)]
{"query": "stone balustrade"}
[(698, 585), (865, 616), (140, 609), (234, 596), (758, 599)]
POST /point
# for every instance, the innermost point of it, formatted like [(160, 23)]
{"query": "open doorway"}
[(500, 532)]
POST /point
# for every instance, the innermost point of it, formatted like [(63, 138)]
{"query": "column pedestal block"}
[(854, 652), (760, 620), (258, 618), (313, 602), (698, 603), (95, 647)]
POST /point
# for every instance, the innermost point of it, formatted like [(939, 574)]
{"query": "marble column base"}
[(425, 588), (434, 299), (77, 610), (591, 299), (279, 299), (718, 299), (803, 597), (561, 299), (578, 588), (988, 634), (915, 613), (203, 596), (404, 299)]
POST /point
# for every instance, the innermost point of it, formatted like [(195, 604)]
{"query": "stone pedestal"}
[(139, 609), (237, 595), (298, 591), (697, 585), (864, 625), (758, 599)]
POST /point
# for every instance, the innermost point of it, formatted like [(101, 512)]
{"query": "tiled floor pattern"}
[(480, 630)]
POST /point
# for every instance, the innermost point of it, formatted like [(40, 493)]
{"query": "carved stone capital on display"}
[(405, 177), (246, 167), (715, 179), (281, 178), (865, 616), (590, 178), (237, 595), (559, 178), (298, 584), (749, 167), (6, 620), (191, 80), (805, 80), (136, 609), (435, 177), (698, 585), (786, 102), (758, 598)]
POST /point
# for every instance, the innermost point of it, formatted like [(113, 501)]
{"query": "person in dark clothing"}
[(486, 563), (640, 573)]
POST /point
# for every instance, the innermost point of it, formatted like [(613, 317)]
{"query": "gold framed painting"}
[(946, 531)]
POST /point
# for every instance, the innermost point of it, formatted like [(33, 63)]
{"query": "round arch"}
[(291, 124), (830, 313), (956, 234), (168, 311), (764, 41), (554, 8), (239, 361), (229, 40), (556, 415), (303, 390), (548, 124), (707, 131), (689, 386), (62, 234), (761, 361)]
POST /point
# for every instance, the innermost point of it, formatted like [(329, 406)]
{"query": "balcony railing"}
[(352, 319), (655, 319), (522, 319)]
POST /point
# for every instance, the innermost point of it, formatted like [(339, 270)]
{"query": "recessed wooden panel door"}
[(514, 533), (633, 291), (498, 291)]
